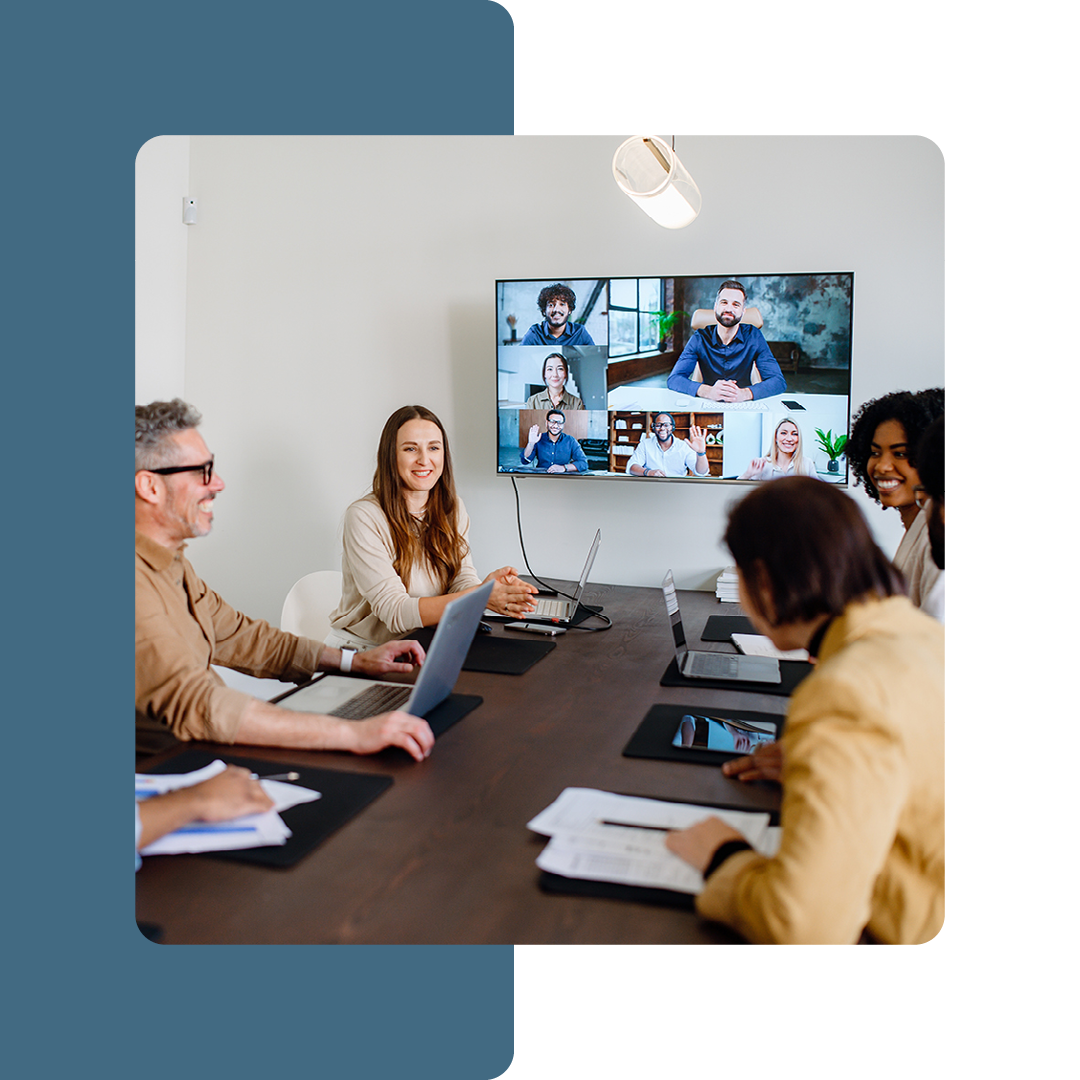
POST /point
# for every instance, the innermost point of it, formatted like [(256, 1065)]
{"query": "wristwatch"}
[(346, 660)]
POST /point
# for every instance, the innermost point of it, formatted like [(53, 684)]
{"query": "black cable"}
[(593, 613)]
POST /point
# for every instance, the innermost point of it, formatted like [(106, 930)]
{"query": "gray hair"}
[(155, 424)]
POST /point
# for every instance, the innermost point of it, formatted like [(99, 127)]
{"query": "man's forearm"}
[(263, 724)]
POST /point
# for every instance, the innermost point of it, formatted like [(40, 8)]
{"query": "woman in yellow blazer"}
[(861, 759)]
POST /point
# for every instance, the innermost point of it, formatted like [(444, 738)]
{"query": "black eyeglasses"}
[(207, 470)]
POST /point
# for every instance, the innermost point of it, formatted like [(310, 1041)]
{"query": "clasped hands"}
[(725, 390), (510, 596)]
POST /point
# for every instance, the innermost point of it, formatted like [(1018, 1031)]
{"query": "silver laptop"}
[(561, 612), (353, 699), (695, 664)]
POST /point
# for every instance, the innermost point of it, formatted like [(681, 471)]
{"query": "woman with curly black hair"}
[(884, 434)]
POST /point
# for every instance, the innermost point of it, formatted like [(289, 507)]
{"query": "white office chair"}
[(307, 608)]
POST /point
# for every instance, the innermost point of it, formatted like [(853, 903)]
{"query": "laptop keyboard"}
[(551, 609), (374, 700), (715, 665), (745, 406)]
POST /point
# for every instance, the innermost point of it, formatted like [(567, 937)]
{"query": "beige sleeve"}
[(174, 684), (368, 557)]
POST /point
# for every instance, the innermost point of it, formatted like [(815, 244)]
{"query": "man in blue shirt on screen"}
[(726, 354), (556, 304), (554, 452)]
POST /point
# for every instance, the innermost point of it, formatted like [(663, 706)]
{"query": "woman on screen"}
[(863, 747), (556, 396), (406, 543), (784, 459), (884, 434)]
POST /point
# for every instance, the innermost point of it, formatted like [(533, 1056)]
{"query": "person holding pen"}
[(862, 852), (230, 794)]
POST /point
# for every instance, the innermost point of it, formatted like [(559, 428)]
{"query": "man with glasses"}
[(182, 626), (661, 454), (553, 451)]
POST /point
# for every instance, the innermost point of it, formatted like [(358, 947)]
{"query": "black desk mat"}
[(792, 672), (445, 715), (656, 733), (495, 654), (344, 795), (721, 627), (615, 890)]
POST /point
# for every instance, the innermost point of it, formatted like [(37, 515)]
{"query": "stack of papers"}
[(727, 585), (599, 836), (251, 830), (759, 645)]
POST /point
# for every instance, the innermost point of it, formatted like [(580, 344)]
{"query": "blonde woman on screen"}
[(785, 458)]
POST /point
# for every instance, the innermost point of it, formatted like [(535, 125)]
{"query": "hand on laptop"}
[(765, 763), (391, 657), (511, 595), (411, 733)]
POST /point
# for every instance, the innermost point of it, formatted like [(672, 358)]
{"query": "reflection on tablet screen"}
[(729, 736)]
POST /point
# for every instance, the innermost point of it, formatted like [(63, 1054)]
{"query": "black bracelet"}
[(722, 853)]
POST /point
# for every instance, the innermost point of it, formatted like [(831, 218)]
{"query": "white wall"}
[(331, 280), (161, 183)]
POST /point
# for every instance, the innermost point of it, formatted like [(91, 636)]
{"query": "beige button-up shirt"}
[(181, 628)]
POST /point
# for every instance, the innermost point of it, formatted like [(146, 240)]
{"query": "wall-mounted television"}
[(698, 379)]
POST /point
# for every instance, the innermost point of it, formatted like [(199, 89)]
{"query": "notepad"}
[(759, 645), (601, 836), (248, 831)]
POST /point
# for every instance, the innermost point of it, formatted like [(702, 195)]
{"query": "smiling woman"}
[(884, 434), (555, 396), (406, 544)]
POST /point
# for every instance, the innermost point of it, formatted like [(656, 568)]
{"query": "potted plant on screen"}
[(833, 447), (665, 322)]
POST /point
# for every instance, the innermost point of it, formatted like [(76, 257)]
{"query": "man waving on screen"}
[(661, 454)]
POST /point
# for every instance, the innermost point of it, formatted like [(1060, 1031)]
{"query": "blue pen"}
[(216, 828)]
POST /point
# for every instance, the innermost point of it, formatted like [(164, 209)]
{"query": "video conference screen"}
[(697, 379)]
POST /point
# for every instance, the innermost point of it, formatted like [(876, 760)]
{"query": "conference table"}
[(444, 855)]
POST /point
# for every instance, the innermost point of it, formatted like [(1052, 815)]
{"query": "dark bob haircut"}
[(914, 413), (809, 545), (930, 460), (556, 292)]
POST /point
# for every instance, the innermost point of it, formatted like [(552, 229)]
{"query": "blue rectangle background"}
[(84, 87)]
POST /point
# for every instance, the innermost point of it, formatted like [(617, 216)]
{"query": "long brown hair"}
[(437, 540)]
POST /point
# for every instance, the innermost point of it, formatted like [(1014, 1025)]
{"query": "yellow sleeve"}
[(844, 787)]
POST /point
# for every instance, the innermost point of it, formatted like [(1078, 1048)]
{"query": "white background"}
[(991, 85)]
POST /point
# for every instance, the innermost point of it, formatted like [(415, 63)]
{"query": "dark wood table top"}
[(444, 856)]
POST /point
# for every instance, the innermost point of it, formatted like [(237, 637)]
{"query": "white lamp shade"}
[(647, 170)]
